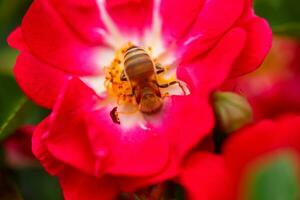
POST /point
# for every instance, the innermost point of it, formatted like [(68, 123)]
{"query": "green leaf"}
[(13, 120), (11, 14), (8, 58), (274, 180), (11, 102), (36, 184), (15, 108), (283, 15)]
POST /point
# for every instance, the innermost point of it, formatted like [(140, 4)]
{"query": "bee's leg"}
[(123, 76), (159, 68), (171, 83), (114, 115), (132, 92)]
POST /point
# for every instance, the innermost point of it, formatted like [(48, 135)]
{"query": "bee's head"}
[(150, 102)]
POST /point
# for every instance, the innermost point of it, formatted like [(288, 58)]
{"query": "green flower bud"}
[(232, 111)]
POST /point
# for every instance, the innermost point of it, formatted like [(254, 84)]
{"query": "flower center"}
[(138, 82)]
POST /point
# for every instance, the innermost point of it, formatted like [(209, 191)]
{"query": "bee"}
[(141, 72)]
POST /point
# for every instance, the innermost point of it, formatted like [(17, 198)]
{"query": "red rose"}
[(72, 56), (269, 150)]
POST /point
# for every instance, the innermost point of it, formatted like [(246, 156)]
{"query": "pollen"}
[(115, 87)]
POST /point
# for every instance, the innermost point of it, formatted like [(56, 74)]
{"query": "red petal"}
[(78, 186), (39, 149), (178, 17), (16, 40), (67, 140), (49, 38), (204, 177), (39, 81), (132, 151), (186, 121), (209, 71), (257, 45), (211, 25), (254, 142), (132, 16), (190, 115), (133, 183), (135, 151), (83, 17)]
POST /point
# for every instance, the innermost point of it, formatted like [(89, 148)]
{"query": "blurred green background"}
[(32, 183)]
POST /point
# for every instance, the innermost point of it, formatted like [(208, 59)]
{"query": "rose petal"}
[(134, 151), (87, 23), (134, 183), (273, 135), (210, 26), (257, 45), (186, 120), (67, 140), (15, 40), (49, 38), (78, 186), (131, 16), (39, 81), (178, 17), (39, 149), (204, 177), (209, 71), (268, 137)]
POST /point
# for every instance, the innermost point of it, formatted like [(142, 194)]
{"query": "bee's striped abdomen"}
[(137, 62), (136, 56)]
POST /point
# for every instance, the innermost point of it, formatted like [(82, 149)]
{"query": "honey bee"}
[(141, 72)]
